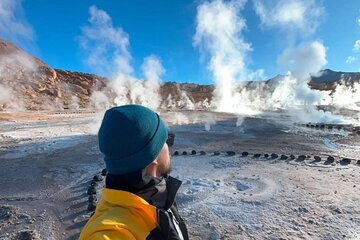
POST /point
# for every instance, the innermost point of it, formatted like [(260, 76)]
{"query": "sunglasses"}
[(170, 139)]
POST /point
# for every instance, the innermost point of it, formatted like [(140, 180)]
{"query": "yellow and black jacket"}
[(124, 215)]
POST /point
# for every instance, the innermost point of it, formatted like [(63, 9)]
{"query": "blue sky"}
[(166, 29)]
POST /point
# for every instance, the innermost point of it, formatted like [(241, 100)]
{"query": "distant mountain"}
[(31, 83), (328, 79), (328, 75)]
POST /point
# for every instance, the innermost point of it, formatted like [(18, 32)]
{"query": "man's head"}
[(132, 138)]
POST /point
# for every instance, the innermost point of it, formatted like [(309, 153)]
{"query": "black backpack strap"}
[(166, 226), (163, 222), (180, 220)]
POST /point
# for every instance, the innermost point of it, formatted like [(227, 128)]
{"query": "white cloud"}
[(290, 15), (358, 21), (107, 46), (351, 59), (13, 25), (356, 45)]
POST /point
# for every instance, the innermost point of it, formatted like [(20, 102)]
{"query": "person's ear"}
[(151, 169)]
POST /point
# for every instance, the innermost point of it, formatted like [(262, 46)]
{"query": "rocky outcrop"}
[(33, 85)]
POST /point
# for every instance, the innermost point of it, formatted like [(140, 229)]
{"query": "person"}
[(138, 199)]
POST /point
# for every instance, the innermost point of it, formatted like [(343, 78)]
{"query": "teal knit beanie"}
[(130, 137)]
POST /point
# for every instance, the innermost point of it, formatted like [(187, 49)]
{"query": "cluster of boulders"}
[(91, 191), (323, 126), (329, 160), (22, 235)]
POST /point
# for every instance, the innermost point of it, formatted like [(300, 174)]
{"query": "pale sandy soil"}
[(48, 160)]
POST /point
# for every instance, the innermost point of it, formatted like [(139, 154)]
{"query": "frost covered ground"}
[(48, 160)]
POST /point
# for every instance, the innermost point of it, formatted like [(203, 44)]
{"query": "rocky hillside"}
[(31, 84), (328, 79), (27, 83)]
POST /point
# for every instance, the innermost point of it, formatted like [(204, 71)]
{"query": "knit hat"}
[(130, 137)]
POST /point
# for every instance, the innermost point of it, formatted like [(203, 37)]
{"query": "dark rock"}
[(292, 157), (216, 153), (337, 210), (283, 157), (358, 162), (92, 198), (339, 127), (104, 172), (91, 190), (184, 153), (312, 126), (257, 155), (317, 126), (330, 127), (244, 154), (274, 156), (98, 178), (230, 153), (93, 183), (301, 158), (193, 152), (202, 153), (345, 161), (176, 153), (303, 209), (322, 126), (317, 159), (266, 155), (26, 235), (330, 160), (92, 206), (307, 125)]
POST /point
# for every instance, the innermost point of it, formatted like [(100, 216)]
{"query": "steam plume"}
[(153, 70), (108, 53), (303, 60), (219, 29)]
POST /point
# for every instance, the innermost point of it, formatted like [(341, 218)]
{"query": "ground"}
[(49, 159)]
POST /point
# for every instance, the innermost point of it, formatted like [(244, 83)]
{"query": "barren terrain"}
[(231, 190)]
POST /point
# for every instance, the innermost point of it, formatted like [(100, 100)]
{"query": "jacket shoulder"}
[(120, 234), (112, 221)]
